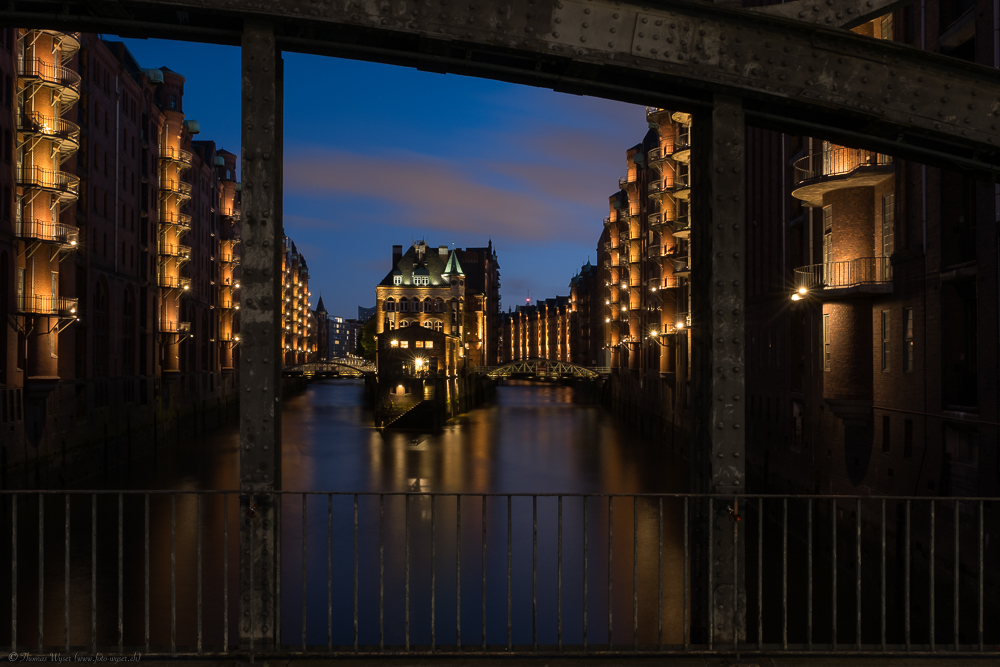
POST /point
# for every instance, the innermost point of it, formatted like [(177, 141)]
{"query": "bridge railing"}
[(157, 573)]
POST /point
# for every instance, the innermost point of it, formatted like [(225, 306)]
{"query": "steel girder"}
[(793, 75), (530, 367)]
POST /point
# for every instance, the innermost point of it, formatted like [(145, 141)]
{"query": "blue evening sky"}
[(377, 155)]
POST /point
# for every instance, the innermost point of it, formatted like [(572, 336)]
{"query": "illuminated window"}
[(429, 343), (826, 342), (907, 340), (397, 280), (418, 343), (404, 344)]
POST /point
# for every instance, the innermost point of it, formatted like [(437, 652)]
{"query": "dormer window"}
[(421, 281), (397, 280)]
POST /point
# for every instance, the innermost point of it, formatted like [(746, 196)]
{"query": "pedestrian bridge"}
[(354, 366), (543, 368)]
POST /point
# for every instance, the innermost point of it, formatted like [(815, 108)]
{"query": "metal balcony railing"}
[(654, 251), (58, 75), (624, 181), (657, 155), (229, 258), (608, 221), (48, 179), (178, 155), (174, 282), (47, 231), (167, 326), (182, 220), (174, 186), (50, 127), (833, 275), (682, 228), (837, 161), (44, 304), (172, 250)]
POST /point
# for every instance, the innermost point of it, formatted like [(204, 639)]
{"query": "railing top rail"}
[(497, 494)]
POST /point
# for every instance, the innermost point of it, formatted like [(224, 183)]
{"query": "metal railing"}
[(176, 219), (45, 304), (166, 326), (46, 230), (48, 179), (173, 250), (49, 126), (608, 221), (176, 187), (173, 282), (861, 271), (624, 181), (178, 155), (48, 72), (838, 161), (501, 574)]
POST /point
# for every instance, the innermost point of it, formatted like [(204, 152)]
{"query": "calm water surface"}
[(448, 554)]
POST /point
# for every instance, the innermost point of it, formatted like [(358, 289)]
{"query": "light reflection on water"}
[(531, 439)]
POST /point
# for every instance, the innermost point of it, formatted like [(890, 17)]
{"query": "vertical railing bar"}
[(381, 572), (784, 573), (406, 559), (329, 566), (146, 545), (559, 554), (458, 572), (93, 572), (981, 563), (857, 590), (305, 546), (225, 573), (41, 571), (585, 559), (906, 577), (833, 569), (611, 579), (199, 521), (483, 617), (809, 574), (433, 575), (329, 572), (883, 575), (509, 597), (686, 629), (635, 574), (279, 501), (66, 576), (659, 575), (13, 575), (173, 573), (249, 569), (760, 573), (931, 606), (955, 568), (711, 579), (534, 572)]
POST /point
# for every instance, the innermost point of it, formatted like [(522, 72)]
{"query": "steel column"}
[(260, 324), (717, 331)]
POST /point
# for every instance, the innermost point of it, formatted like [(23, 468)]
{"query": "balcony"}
[(865, 275), (176, 155), (658, 157), (179, 220), (232, 213), (654, 252), (173, 250), (652, 113), (681, 150), (175, 187), (229, 304), (175, 327), (61, 183), (174, 282), (52, 306), (676, 187), (682, 269), (229, 258), (65, 134), (47, 232), (52, 76), (626, 180), (608, 222), (682, 228), (837, 168)]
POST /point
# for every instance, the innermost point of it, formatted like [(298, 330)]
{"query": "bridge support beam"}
[(718, 447), (260, 329)]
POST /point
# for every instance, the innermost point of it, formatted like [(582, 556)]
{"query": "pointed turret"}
[(453, 268), (319, 305)]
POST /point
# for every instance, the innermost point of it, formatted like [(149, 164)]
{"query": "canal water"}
[(362, 564)]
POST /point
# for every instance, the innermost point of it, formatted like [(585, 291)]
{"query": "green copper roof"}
[(453, 268)]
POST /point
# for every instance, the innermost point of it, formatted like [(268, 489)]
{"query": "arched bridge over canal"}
[(543, 369), (353, 366)]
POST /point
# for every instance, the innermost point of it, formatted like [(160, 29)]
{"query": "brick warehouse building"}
[(119, 259), (872, 289)]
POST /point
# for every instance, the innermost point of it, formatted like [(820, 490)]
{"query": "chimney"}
[(443, 250), (397, 254)]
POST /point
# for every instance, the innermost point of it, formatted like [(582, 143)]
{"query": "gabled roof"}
[(410, 264)]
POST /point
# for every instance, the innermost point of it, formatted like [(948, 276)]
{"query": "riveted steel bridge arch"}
[(542, 368), (356, 364)]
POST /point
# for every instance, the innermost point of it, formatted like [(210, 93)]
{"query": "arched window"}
[(389, 305), (427, 305), (404, 305), (438, 305), (404, 324)]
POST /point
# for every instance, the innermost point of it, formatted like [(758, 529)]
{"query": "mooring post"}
[(718, 445), (260, 331)]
